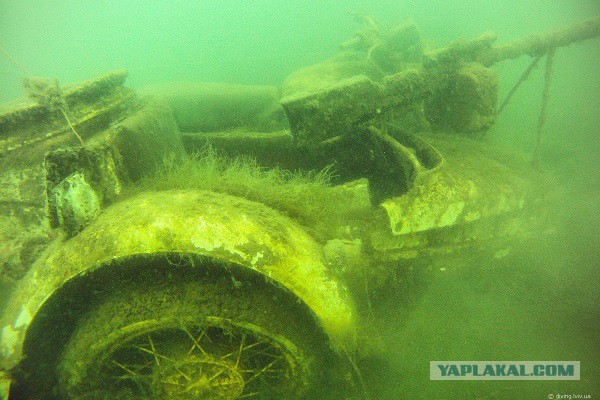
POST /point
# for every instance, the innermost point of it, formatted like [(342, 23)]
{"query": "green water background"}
[(541, 305)]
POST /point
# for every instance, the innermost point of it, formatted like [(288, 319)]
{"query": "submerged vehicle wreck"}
[(138, 270)]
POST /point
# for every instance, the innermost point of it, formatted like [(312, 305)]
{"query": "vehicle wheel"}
[(194, 335)]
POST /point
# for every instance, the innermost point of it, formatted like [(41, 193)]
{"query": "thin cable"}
[(71, 126), (544, 110), (11, 58), (516, 86)]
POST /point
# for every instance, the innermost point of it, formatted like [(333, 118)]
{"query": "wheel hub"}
[(198, 379)]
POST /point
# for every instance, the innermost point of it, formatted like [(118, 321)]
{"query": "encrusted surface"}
[(225, 227)]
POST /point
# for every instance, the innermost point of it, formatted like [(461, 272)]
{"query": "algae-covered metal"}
[(224, 293), (228, 230)]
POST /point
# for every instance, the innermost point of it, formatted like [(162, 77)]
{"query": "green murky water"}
[(537, 304)]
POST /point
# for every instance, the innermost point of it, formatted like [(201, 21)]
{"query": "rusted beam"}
[(541, 43)]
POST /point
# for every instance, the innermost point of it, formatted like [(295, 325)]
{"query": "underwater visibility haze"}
[(297, 199)]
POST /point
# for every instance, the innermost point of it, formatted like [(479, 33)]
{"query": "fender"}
[(231, 229)]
